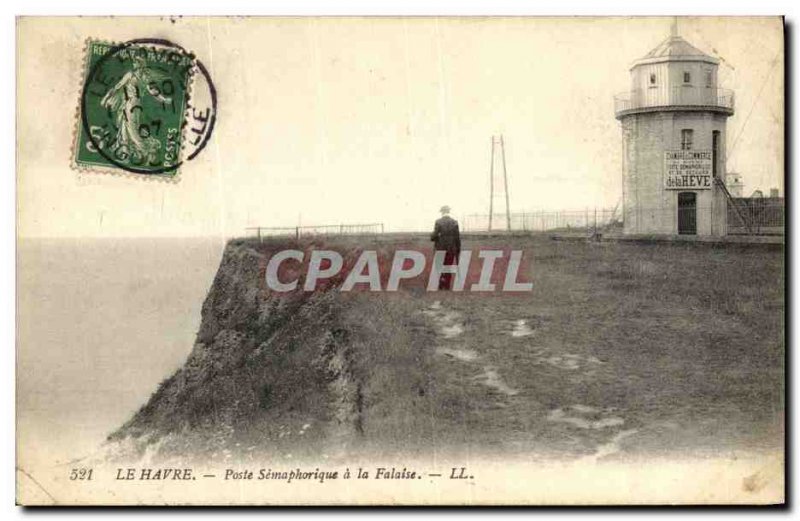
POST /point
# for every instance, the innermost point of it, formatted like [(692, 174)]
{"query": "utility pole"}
[(505, 182), (491, 186), (497, 186)]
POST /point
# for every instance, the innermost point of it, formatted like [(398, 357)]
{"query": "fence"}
[(322, 230), (677, 95), (757, 215), (738, 216), (588, 220)]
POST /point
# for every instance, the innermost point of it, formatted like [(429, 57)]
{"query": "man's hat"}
[(445, 209)]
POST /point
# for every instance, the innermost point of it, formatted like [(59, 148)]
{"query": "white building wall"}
[(643, 92), (648, 207), (669, 88)]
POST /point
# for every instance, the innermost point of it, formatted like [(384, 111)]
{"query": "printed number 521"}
[(83, 474)]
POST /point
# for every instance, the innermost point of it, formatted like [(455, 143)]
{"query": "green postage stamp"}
[(146, 107)]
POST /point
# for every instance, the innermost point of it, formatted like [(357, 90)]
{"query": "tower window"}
[(652, 79), (687, 77), (686, 139), (708, 78)]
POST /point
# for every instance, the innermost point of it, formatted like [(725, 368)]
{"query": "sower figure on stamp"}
[(125, 100), (447, 238)]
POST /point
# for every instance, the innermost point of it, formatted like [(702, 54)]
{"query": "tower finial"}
[(674, 28)]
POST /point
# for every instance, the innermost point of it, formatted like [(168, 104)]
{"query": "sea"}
[(100, 323)]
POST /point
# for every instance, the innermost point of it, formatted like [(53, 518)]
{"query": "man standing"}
[(447, 238)]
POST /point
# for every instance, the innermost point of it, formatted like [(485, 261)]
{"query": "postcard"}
[(400, 261)]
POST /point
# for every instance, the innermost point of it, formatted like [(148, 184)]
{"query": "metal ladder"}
[(732, 202)]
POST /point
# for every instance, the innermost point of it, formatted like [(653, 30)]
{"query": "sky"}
[(361, 120)]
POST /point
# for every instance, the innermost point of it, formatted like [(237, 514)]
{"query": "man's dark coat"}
[(446, 236)]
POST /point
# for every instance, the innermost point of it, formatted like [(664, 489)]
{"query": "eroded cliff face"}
[(266, 370)]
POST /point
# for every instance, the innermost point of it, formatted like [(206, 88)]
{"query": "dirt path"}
[(495, 364)]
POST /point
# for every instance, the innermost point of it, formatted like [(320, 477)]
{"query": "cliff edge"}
[(283, 374)]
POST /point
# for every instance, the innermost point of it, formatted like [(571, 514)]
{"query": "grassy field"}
[(620, 350)]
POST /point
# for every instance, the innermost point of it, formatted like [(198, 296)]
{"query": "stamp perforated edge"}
[(83, 169)]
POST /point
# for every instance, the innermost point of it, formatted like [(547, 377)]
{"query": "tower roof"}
[(675, 48)]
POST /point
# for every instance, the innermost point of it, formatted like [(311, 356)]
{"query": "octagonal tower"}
[(673, 142)]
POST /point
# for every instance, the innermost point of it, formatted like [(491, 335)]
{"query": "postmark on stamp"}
[(147, 106)]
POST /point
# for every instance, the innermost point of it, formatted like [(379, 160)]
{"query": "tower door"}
[(687, 213)]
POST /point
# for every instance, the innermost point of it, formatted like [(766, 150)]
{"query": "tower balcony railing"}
[(680, 97)]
